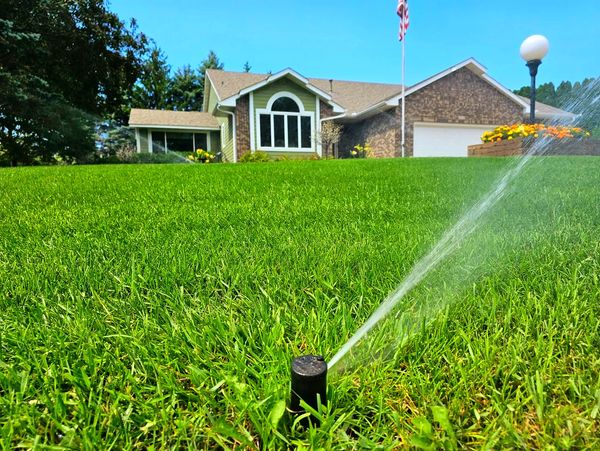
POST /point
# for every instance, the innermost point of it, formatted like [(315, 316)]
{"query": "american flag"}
[(402, 11)]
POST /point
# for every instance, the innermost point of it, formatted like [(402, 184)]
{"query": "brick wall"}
[(242, 125), (380, 131), (325, 109), (461, 97)]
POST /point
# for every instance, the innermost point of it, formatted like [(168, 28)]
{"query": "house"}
[(282, 114)]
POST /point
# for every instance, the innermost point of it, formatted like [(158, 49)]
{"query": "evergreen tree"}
[(580, 98), (563, 92), (186, 90), (152, 88), (546, 93)]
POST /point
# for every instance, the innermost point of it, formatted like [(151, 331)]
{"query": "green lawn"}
[(160, 306)]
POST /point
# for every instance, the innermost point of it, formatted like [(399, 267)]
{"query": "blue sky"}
[(357, 39)]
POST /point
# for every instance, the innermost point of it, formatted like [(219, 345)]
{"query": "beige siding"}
[(215, 142), (143, 140), (212, 99), (226, 139)]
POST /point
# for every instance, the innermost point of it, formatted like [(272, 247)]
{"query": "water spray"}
[(309, 383)]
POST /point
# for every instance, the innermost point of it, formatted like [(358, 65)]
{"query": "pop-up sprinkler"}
[(309, 382)]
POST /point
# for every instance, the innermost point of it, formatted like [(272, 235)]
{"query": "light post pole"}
[(533, 50)]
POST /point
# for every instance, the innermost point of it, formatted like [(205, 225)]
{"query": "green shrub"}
[(255, 157), (152, 158)]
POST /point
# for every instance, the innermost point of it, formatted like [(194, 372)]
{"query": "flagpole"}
[(403, 128)]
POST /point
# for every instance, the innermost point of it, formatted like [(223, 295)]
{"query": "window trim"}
[(194, 132), (302, 113)]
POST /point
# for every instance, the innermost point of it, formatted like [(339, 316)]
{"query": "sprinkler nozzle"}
[(309, 382)]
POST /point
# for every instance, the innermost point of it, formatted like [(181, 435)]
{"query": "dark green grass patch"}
[(160, 306)]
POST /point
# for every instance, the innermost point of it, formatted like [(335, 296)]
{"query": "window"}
[(158, 142), (284, 125), (178, 141), (285, 104), (201, 141), (279, 126), (265, 130)]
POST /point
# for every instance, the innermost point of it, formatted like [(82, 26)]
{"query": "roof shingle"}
[(190, 119), (354, 96)]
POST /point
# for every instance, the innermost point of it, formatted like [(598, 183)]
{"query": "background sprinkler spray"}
[(309, 382)]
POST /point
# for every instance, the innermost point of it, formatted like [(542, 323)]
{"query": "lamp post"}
[(533, 50)]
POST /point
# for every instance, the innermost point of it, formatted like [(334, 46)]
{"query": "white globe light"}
[(534, 47)]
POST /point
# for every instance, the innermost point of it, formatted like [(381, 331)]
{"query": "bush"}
[(126, 153), (152, 158), (257, 157)]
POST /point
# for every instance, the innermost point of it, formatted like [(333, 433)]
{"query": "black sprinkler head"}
[(309, 382)]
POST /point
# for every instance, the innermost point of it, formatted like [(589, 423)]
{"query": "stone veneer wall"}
[(380, 131), (461, 97), (242, 126)]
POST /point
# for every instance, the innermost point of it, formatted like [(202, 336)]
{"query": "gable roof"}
[(356, 96), (357, 99), (471, 64), (350, 96), (269, 78), (227, 84), (143, 118), (543, 110)]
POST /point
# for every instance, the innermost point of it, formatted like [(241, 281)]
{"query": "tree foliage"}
[(152, 89), (330, 135), (182, 91), (62, 65), (186, 90), (582, 98)]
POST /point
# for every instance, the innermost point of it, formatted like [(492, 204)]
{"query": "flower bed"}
[(516, 139), (510, 132), (201, 156)]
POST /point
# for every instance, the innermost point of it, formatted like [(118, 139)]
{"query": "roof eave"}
[(543, 115), (231, 101), (175, 127)]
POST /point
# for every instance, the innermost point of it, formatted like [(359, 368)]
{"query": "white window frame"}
[(302, 113), (194, 132)]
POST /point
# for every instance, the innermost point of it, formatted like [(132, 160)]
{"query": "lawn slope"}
[(160, 306)]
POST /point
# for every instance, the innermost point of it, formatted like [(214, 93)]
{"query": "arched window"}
[(285, 104), (284, 125)]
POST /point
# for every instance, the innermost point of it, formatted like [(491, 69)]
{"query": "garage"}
[(446, 140)]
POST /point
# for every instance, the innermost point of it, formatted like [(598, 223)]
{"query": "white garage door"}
[(446, 140)]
